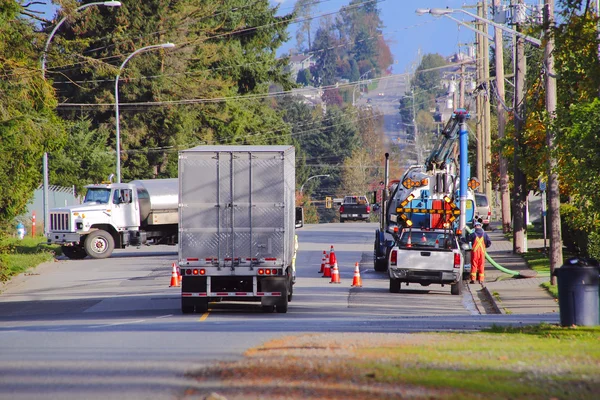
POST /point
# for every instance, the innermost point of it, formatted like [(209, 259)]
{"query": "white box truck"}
[(237, 220)]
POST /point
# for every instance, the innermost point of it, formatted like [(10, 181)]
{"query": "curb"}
[(492, 300)]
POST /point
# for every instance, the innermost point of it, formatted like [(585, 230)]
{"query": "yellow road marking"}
[(204, 316)]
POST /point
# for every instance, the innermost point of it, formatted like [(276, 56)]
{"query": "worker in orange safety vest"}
[(479, 242)]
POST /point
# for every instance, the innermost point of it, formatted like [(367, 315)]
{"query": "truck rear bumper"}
[(425, 276), (355, 216), (64, 238)]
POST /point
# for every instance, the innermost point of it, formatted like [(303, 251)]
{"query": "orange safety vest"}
[(478, 244)]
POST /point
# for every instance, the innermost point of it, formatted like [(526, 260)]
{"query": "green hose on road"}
[(523, 274)]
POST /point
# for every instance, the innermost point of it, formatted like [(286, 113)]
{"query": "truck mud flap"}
[(274, 285)]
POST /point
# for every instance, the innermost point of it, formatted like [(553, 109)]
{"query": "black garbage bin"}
[(578, 297)]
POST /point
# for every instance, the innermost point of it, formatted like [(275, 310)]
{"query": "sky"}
[(407, 33)]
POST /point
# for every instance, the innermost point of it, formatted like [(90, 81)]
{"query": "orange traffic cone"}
[(357, 281), (326, 269), (179, 277), (335, 274), (323, 262), (174, 277), (332, 259)]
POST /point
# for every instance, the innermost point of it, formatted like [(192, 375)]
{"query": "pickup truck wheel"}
[(99, 244), (394, 285), (456, 288), (74, 252)]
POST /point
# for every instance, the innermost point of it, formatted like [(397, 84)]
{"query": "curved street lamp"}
[(437, 12), (312, 177), (43, 68), (118, 144), (45, 53)]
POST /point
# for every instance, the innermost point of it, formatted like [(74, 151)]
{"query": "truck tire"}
[(99, 244), (187, 306), (282, 305), (395, 285), (268, 309), (201, 305), (74, 252), (456, 288), (379, 264)]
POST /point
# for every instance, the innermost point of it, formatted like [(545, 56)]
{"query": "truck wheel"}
[(201, 305), (394, 285), (187, 306), (380, 265), (456, 288), (282, 304), (268, 309), (74, 252), (99, 244)]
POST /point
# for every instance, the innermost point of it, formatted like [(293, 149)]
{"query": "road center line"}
[(204, 316)]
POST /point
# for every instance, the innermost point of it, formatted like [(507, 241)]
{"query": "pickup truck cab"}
[(355, 208), (426, 256)]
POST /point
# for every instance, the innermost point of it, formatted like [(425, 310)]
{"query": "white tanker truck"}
[(117, 215)]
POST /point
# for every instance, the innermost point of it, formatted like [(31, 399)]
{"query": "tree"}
[(224, 50), (303, 9), (28, 125), (72, 166), (325, 65)]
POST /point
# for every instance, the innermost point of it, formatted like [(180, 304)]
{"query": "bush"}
[(580, 232)]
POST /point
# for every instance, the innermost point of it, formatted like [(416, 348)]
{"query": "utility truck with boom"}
[(424, 204), (117, 215), (237, 220)]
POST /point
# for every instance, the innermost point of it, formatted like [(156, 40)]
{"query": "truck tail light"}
[(393, 257), (341, 209), (368, 209), (456, 260)]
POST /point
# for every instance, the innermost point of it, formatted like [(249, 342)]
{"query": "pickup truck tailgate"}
[(432, 260)]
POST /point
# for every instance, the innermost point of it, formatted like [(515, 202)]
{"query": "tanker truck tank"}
[(158, 200)]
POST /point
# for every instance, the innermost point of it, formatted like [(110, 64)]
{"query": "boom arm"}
[(442, 152)]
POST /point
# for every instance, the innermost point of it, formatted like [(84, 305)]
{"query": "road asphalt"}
[(503, 293)]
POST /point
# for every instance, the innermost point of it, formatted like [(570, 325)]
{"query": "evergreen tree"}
[(223, 50), (28, 125)]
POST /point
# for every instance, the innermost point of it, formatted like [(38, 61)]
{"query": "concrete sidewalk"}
[(505, 294)]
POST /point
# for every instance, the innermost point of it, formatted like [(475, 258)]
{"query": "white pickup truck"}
[(426, 256)]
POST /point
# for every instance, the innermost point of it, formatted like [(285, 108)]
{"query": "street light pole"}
[(445, 11), (118, 134), (309, 178), (43, 69), (359, 83), (45, 52)]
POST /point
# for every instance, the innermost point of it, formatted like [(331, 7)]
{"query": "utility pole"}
[(461, 102), (487, 126), (553, 189), (480, 127), (503, 162), (519, 182)]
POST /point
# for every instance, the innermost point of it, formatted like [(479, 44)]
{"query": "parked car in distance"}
[(483, 210)]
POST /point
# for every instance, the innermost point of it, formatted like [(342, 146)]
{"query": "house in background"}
[(298, 62)]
